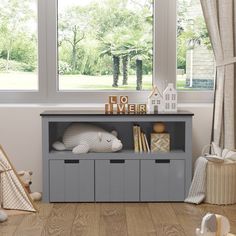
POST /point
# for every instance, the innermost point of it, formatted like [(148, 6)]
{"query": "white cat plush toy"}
[(84, 138), (214, 225)]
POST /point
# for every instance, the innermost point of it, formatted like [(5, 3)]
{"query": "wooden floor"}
[(108, 219)]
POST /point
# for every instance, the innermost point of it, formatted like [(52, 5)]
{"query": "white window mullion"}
[(171, 50), (42, 48), (51, 14), (165, 43)]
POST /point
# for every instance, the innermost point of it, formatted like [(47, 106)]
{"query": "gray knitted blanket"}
[(197, 190)]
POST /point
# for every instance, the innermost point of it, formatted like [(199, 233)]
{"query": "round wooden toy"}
[(159, 127)]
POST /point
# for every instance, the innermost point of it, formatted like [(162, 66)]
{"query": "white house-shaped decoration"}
[(155, 101), (170, 99)]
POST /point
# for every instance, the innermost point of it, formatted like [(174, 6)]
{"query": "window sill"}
[(88, 107)]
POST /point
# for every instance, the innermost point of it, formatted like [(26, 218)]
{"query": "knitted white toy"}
[(84, 138), (213, 225)]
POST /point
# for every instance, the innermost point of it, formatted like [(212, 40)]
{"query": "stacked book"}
[(140, 140)]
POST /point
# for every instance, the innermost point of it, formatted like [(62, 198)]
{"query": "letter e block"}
[(131, 109)]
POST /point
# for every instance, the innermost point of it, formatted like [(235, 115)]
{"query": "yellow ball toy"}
[(159, 127)]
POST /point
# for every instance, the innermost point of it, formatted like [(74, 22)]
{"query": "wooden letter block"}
[(113, 99), (131, 108), (142, 108), (120, 108), (124, 99), (160, 142), (109, 108)]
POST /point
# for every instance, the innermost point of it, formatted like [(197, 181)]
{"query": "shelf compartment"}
[(125, 132)]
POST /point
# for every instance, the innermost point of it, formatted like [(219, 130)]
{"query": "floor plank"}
[(208, 208), (230, 212), (113, 220), (189, 216), (8, 227), (169, 230), (139, 220), (163, 213), (165, 220), (60, 220), (33, 224), (86, 222)]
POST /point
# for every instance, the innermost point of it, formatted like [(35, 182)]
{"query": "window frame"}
[(164, 65)]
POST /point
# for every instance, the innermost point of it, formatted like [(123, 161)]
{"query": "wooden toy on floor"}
[(214, 225)]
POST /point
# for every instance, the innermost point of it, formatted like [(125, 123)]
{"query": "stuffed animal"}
[(84, 138), (26, 179), (213, 225), (3, 216)]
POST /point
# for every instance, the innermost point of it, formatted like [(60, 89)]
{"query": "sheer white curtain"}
[(220, 16)]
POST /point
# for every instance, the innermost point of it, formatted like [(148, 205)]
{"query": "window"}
[(79, 51), (18, 45), (195, 59), (105, 44)]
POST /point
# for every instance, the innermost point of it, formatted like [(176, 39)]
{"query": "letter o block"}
[(124, 99)]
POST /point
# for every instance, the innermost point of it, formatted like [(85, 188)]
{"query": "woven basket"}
[(221, 183)]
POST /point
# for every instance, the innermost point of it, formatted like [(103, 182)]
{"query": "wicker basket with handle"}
[(221, 179), (221, 183)]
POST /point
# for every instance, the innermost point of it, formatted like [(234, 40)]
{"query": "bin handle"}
[(162, 161), (117, 161)]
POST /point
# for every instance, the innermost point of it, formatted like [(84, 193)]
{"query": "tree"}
[(112, 33), (110, 48), (140, 48), (125, 67), (124, 29), (14, 19), (72, 29)]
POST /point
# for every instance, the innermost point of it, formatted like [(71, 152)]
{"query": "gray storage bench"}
[(123, 176)]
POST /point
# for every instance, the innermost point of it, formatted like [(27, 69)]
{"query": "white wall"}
[(20, 134)]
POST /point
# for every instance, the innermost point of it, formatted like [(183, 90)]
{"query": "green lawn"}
[(28, 81), (18, 81), (83, 82)]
